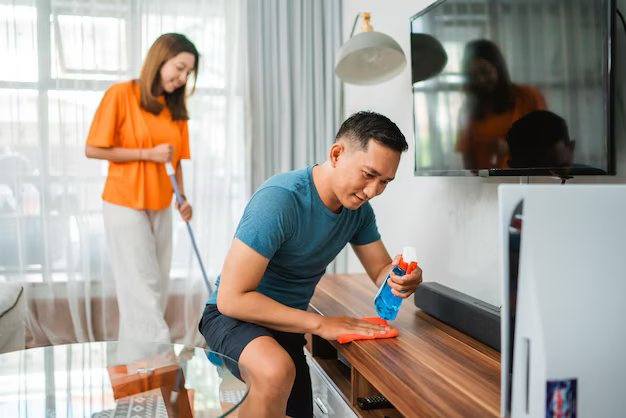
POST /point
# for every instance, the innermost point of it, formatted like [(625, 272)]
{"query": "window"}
[(50, 205)]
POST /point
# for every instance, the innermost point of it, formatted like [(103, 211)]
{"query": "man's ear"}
[(335, 151)]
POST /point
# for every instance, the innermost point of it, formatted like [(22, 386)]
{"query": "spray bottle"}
[(385, 302)]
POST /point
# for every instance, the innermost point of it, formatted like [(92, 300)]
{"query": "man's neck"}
[(321, 179)]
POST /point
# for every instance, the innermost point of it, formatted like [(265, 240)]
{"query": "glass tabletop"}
[(114, 380)]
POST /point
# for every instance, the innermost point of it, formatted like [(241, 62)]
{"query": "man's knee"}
[(271, 368), (280, 371)]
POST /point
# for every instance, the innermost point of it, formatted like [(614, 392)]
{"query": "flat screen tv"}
[(525, 87)]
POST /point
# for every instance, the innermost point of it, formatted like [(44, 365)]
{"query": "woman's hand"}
[(499, 147), (161, 153), (184, 210)]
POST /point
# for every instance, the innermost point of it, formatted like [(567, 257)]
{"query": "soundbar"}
[(469, 315)]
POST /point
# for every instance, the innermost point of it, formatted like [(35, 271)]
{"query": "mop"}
[(171, 174)]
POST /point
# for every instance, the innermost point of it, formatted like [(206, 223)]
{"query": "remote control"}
[(373, 402)]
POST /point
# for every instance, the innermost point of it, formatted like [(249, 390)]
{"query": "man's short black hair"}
[(532, 138), (363, 126)]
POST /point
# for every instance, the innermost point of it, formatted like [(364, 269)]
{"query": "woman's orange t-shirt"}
[(477, 138), (121, 122)]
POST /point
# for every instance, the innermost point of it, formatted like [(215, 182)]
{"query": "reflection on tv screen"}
[(523, 88)]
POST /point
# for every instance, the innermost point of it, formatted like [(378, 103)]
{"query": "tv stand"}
[(430, 369)]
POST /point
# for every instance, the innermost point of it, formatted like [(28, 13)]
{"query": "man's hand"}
[(404, 286), (331, 327), (184, 210)]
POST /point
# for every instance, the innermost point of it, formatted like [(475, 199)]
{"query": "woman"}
[(139, 126), (492, 104)]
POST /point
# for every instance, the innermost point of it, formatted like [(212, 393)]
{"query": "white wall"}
[(452, 221)]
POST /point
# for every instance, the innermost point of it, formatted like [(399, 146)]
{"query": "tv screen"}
[(513, 87)]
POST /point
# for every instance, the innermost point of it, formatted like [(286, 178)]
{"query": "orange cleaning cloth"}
[(392, 332)]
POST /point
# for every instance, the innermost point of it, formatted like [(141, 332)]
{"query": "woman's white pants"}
[(139, 244)]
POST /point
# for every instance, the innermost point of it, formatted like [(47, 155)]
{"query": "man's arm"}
[(237, 297), (375, 259), (377, 263)]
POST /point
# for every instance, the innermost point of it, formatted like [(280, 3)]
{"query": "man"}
[(292, 228)]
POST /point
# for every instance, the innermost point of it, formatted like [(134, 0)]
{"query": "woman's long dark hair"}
[(503, 96)]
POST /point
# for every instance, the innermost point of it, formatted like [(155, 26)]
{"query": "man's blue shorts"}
[(229, 336)]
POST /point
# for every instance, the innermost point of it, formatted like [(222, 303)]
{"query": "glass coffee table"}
[(111, 380)]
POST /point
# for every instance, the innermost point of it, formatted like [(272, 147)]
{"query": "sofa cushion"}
[(12, 317), (9, 295)]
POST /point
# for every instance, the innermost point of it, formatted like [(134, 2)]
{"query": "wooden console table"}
[(430, 369)]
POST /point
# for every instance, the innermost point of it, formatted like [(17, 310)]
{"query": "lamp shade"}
[(369, 58)]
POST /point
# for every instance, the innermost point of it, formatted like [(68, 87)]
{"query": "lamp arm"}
[(356, 19)]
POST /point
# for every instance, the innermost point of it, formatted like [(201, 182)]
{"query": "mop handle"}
[(170, 172)]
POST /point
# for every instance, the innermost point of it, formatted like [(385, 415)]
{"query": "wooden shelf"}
[(430, 369), (349, 382), (380, 413), (361, 387), (338, 372)]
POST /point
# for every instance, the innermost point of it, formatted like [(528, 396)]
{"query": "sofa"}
[(12, 317)]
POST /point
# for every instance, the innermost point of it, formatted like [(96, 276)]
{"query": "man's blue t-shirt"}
[(286, 222)]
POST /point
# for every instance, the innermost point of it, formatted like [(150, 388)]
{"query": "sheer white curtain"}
[(57, 59), (294, 92)]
